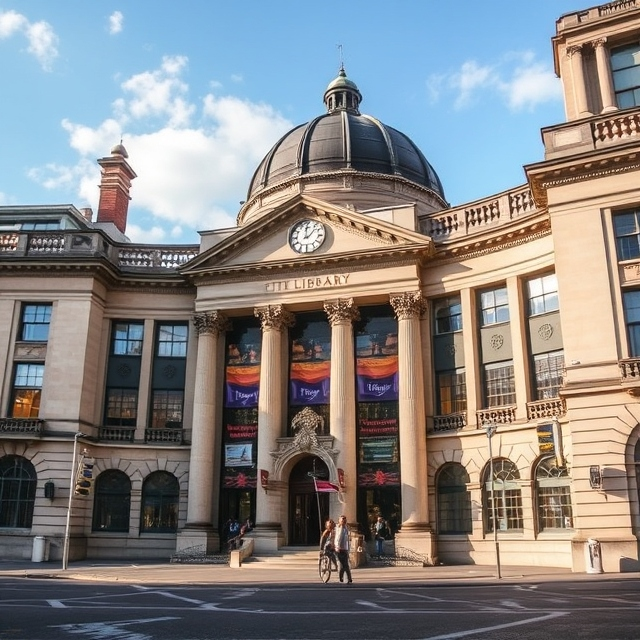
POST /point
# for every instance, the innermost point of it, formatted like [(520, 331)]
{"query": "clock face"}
[(307, 236)]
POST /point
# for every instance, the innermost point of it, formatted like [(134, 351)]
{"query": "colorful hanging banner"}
[(377, 378), (309, 382), (242, 386)]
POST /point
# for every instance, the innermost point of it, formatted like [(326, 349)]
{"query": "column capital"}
[(341, 311), (211, 323), (573, 50), (274, 317), (407, 305), (600, 42)]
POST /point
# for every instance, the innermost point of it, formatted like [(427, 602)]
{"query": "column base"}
[(417, 538), (267, 538), (198, 540)]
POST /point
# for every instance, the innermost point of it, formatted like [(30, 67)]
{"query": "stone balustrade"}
[(19, 426)]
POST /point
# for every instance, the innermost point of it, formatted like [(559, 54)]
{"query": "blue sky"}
[(200, 90)]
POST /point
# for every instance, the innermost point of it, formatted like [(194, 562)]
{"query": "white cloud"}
[(115, 22), (532, 85), (42, 39), (194, 161)]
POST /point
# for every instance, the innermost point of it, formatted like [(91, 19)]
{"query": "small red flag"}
[(324, 486)]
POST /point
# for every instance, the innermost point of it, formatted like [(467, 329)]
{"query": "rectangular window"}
[(500, 385), (172, 341), (627, 229), (631, 302), (447, 315), (35, 322), (554, 507), (549, 371), (27, 389), (452, 392), (625, 67), (122, 407), (127, 338), (494, 306), (167, 409), (543, 294)]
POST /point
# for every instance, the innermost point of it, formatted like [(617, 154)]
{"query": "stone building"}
[(471, 373)]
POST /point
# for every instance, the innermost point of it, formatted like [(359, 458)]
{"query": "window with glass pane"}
[(494, 306), (452, 392), (122, 407), (27, 390), (543, 294), (553, 489), (127, 338), (625, 67), (112, 502), (35, 322), (17, 492), (500, 384), (549, 372), (447, 315), (631, 301), (506, 493), (172, 341), (627, 229), (167, 409), (160, 494), (454, 500)]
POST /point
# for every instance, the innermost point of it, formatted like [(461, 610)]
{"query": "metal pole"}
[(491, 429), (65, 550)]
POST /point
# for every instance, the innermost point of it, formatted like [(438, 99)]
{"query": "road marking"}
[(111, 630)]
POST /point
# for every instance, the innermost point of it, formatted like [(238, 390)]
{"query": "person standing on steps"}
[(380, 533), (341, 539)]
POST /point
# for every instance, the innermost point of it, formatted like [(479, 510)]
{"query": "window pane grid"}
[(122, 407), (500, 385), (494, 305), (172, 341), (452, 392), (549, 373), (627, 231), (543, 294), (127, 339), (35, 322), (448, 315), (167, 409)]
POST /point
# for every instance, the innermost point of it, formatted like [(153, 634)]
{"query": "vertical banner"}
[(377, 379)]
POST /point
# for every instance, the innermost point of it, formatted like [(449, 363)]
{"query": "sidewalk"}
[(267, 573)]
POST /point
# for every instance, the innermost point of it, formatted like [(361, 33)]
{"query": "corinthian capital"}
[(341, 310), (211, 323), (407, 305), (274, 317)]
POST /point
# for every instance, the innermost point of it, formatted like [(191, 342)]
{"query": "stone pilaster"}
[(342, 313), (199, 530), (415, 533), (577, 75), (274, 319), (605, 79)]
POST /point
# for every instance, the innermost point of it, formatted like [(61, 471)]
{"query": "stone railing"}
[(616, 128), (551, 408), (163, 258), (453, 224), (450, 422), (630, 370), (164, 436), (495, 415), (116, 434), (26, 426)]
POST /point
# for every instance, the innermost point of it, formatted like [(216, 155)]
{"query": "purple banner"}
[(370, 389), (239, 396), (304, 392)]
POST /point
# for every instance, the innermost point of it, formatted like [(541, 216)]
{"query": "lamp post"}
[(491, 429), (67, 529)]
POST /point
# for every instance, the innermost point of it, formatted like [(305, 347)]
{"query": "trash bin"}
[(40, 551), (593, 556)]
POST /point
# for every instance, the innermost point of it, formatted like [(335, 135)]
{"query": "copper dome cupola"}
[(343, 141)]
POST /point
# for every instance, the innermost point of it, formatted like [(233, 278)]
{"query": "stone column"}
[(415, 533), (200, 530), (342, 313), (577, 75), (268, 532), (605, 79)]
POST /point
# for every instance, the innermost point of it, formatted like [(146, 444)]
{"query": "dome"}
[(344, 139)]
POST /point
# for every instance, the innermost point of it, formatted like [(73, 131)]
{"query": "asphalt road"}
[(56, 609)]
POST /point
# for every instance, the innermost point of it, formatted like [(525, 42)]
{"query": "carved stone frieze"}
[(407, 305), (211, 323), (341, 310), (274, 317)]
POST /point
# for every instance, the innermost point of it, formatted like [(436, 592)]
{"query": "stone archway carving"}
[(306, 441)]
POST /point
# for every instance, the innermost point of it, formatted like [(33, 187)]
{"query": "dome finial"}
[(342, 94)]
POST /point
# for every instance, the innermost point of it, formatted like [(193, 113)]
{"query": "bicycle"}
[(327, 563)]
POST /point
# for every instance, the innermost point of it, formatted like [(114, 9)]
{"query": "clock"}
[(307, 236)]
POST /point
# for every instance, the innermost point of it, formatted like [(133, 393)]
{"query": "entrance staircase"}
[(288, 556)]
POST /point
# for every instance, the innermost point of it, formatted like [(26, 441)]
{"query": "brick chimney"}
[(114, 188)]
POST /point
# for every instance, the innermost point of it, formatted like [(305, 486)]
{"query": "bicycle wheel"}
[(324, 567)]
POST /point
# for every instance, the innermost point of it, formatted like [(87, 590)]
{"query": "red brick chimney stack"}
[(114, 188)]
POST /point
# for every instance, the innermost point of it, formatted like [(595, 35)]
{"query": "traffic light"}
[(84, 476)]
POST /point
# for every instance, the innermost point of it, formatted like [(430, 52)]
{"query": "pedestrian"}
[(341, 539), (380, 533), (234, 534)]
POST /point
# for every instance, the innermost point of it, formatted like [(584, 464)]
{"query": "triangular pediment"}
[(266, 243)]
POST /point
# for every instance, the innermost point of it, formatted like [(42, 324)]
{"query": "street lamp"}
[(491, 429)]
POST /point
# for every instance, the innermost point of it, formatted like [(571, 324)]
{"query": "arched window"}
[(160, 494), (454, 500), (112, 502), (505, 491), (17, 492), (553, 496)]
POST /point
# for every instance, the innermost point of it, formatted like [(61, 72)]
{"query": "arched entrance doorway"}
[(307, 508)]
